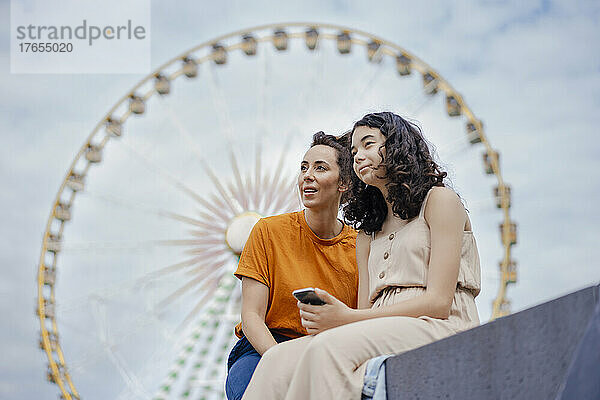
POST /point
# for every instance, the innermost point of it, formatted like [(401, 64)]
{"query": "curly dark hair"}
[(344, 158), (409, 167)]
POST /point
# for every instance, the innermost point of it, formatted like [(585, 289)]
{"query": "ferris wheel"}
[(136, 297)]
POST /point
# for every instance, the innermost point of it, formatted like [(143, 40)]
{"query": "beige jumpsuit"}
[(331, 364)]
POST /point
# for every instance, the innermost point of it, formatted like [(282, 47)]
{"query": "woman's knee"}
[(321, 345), (286, 351), (272, 355)]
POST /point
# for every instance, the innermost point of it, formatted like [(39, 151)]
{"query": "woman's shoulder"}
[(281, 218), (442, 200), (349, 236), (277, 223), (443, 195)]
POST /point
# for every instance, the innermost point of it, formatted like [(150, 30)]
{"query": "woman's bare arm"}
[(255, 297)]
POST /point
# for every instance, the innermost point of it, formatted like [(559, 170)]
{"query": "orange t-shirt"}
[(284, 254)]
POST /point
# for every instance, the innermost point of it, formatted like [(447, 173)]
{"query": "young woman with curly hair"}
[(418, 271)]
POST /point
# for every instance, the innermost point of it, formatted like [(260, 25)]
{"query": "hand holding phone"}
[(308, 296)]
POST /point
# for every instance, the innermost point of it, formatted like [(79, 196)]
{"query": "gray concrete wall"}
[(522, 356)]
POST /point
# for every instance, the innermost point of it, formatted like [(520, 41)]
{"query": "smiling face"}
[(367, 144), (319, 179)]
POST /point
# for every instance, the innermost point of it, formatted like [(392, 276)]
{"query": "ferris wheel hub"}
[(238, 230)]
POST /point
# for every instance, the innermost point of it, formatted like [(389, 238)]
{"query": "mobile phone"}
[(308, 296)]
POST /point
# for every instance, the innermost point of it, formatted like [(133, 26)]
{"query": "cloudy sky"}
[(529, 69)]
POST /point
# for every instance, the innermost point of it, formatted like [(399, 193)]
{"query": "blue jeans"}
[(241, 364), (374, 387)]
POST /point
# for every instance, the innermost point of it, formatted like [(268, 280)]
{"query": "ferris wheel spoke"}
[(414, 106), (200, 233), (105, 246), (220, 104), (286, 195), (64, 307), (288, 204), (214, 208), (109, 292), (122, 333), (190, 242), (199, 305), (212, 226), (239, 190), (218, 204), (184, 132), (237, 195), (215, 251), (188, 137), (128, 377), (93, 353), (98, 311), (452, 146), (367, 88), (273, 184), (420, 106), (212, 218), (190, 221), (257, 175), (216, 266), (159, 354), (249, 190), (304, 99), (357, 96), (203, 281), (211, 263), (63, 321), (412, 103), (125, 203), (262, 117), (264, 192), (452, 152), (225, 121), (162, 173), (229, 201), (271, 191), (168, 270)]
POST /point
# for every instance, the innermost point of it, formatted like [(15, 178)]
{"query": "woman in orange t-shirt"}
[(308, 248)]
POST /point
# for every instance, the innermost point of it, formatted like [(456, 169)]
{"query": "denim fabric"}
[(239, 375), (241, 363), (374, 385)]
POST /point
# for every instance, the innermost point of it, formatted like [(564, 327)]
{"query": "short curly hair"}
[(409, 167), (344, 158)]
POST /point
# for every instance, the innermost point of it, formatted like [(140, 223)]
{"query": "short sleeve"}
[(254, 260)]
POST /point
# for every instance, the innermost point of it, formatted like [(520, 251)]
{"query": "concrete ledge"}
[(522, 356)]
